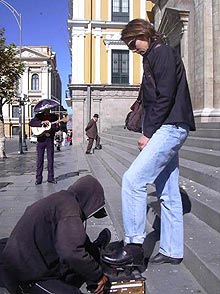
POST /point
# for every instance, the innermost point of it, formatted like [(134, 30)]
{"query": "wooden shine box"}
[(128, 287)]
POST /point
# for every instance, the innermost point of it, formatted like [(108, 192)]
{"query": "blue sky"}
[(44, 22)]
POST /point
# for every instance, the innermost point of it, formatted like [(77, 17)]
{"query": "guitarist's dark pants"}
[(41, 146)]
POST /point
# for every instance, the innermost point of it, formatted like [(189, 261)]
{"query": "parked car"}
[(33, 139)]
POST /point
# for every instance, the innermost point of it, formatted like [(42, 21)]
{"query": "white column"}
[(77, 58), (131, 8), (97, 35), (98, 10), (185, 43), (78, 9), (49, 82), (109, 10), (25, 78), (44, 82), (131, 69), (216, 53), (142, 9)]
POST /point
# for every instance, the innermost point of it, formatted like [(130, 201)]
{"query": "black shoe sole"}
[(171, 261), (128, 263), (108, 238)]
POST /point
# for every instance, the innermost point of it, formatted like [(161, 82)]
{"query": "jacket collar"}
[(153, 45)]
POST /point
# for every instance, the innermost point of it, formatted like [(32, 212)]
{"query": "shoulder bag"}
[(134, 118)]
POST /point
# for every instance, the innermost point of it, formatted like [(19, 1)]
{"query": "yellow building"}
[(105, 75), (40, 80)]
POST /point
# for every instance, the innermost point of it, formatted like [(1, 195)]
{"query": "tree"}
[(11, 70)]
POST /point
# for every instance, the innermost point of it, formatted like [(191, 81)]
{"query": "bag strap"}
[(148, 72)]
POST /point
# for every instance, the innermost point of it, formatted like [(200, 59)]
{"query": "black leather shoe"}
[(103, 239), (38, 183), (160, 258), (52, 181), (87, 152), (125, 256)]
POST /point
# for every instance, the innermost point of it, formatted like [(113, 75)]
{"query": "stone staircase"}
[(200, 187)]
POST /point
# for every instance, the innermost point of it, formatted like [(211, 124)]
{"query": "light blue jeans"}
[(157, 163)]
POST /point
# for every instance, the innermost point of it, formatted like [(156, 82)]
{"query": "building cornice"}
[(95, 24)]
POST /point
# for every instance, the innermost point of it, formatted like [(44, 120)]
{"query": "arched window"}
[(35, 82)]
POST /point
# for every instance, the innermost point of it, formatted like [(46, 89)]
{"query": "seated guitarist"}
[(45, 141)]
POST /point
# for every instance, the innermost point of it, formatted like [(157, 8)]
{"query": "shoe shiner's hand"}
[(100, 287)]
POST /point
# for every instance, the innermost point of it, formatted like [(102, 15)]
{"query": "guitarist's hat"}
[(45, 104)]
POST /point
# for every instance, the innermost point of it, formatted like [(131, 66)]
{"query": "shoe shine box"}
[(125, 287)]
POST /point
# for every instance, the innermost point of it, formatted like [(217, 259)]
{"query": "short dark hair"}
[(139, 28), (96, 115)]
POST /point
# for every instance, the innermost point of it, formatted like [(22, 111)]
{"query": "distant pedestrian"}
[(69, 138), (45, 141), (92, 134), (63, 128)]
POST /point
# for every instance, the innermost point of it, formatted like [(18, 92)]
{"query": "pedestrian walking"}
[(167, 120), (92, 134)]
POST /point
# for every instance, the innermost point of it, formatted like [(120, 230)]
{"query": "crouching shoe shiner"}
[(49, 251)]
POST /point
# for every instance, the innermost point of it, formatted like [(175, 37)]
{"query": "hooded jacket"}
[(48, 241), (166, 97)]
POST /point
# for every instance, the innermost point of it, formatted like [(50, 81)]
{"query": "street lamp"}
[(18, 19)]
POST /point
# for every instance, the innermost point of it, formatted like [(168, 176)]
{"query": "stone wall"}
[(199, 43), (112, 103)]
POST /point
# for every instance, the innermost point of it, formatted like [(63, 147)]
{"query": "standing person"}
[(92, 133), (63, 128), (167, 120), (45, 141), (49, 251)]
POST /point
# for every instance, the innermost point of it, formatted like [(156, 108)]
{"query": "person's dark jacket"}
[(91, 129), (36, 122), (166, 96), (48, 241)]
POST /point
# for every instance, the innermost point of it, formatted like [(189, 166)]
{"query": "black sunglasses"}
[(132, 44)]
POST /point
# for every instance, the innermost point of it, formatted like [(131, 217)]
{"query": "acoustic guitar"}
[(40, 131)]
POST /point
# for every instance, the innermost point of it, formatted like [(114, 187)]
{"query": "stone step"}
[(201, 247), (207, 143), (206, 133), (192, 141), (205, 202), (208, 125), (193, 237), (203, 174), (201, 155), (112, 190), (105, 167)]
